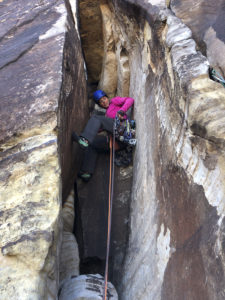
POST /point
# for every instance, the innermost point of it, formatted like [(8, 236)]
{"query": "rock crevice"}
[(168, 214)]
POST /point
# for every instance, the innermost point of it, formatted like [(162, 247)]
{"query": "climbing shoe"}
[(80, 140), (83, 142), (84, 176)]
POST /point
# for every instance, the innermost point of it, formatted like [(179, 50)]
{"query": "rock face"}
[(69, 254), (73, 286), (87, 287), (158, 54), (176, 243), (92, 205), (91, 226), (91, 35), (206, 20), (40, 105)]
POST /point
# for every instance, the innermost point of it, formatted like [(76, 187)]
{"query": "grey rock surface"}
[(40, 57), (158, 52), (91, 231), (86, 287), (175, 246), (206, 20)]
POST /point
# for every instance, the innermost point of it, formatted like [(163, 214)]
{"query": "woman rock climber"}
[(90, 140)]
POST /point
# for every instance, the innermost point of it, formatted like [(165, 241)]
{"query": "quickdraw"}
[(216, 76), (125, 131)]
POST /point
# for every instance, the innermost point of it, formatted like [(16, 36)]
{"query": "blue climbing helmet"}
[(98, 95)]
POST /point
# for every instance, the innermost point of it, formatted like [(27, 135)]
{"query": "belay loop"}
[(125, 131)]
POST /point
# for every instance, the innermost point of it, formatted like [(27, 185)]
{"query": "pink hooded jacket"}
[(118, 103)]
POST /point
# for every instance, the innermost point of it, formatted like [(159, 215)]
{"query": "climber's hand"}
[(121, 115)]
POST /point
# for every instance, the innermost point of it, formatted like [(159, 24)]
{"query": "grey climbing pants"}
[(97, 143), (93, 126)]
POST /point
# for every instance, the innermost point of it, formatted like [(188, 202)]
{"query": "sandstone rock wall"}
[(43, 98), (206, 20), (69, 254), (176, 240), (178, 188), (92, 207), (91, 225), (91, 36), (71, 285), (87, 287)]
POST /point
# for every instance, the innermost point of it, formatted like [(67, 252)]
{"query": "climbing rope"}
[(111, 190), (217, 77), (127, 132)]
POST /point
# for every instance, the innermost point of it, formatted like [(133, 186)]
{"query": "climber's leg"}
[(95, 123), (100, 144)]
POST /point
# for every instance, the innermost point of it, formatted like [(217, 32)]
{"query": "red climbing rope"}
[(111, 188)]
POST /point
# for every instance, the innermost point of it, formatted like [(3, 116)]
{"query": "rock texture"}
[(206, 20), (176, 242), (69, 254), (92, 207), (87, 287), (73, 286), (158, 52), (40, 59), (91, 227), (91, 36)]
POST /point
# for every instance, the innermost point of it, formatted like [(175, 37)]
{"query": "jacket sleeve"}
[(124, 102)]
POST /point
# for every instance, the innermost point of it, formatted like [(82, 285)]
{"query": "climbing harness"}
[(111, 190), (216, 76), (125, 131)]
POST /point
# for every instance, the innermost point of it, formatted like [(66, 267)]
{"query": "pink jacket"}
[(118, 103)]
